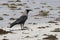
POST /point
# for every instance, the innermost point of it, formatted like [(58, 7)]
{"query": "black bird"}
[(21, 20)]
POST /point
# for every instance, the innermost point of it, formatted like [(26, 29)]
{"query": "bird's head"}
[(27, 10)]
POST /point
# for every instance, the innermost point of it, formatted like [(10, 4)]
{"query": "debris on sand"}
[(36, 35), (4, 39), (18, 0), (5, 4), (50, 37), (28, 36), (1, 18), (56, 30), (34, 23), (43, 3), (6, 14), (41, 27), (12, 18), (43, 13), (4, 32), (52, 22), (58, 19)]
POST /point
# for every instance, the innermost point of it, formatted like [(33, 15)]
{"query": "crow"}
[(21, 20)]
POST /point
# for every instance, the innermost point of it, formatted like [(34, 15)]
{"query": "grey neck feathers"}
[(26, 12)]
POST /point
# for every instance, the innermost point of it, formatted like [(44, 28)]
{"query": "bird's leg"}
[(21, 26), (24, 27)]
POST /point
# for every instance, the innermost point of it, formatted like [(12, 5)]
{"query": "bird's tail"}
[(12, 24)]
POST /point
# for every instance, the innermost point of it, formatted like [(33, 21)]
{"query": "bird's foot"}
[(24, 28)]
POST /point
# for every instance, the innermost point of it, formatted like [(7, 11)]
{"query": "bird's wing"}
[(21, 19)]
